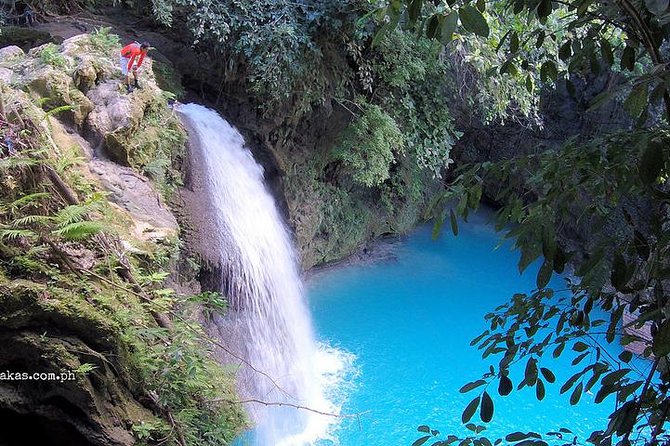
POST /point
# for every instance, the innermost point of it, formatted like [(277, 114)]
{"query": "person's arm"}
[(130, 62), (141, 59)]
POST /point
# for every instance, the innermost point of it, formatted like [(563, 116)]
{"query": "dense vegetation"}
[(404, 79), (614, 185)]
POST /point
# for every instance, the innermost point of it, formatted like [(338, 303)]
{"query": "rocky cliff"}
[(99, 347)]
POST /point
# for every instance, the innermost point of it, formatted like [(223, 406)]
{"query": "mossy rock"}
[(29, 304), (86, 404), (25, 38), (58, 90)]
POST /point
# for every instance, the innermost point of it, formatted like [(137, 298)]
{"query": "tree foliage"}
[(370, 145), (562, 39), (611, 191)]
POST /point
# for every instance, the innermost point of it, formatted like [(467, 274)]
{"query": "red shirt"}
[(131, 51)]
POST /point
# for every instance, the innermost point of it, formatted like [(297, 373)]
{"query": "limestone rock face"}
[(137, 196), (118, 116), (46, 334)]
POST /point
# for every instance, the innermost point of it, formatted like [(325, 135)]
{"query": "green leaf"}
[(613, 377), (626, 356), (548, 70), (565, 51), (470, 410), (628, 58), (530, 373), (603, 392), (539, 390), (544, 9), (423, 428), (559, 260), (516, 436), (657, 7), (544, 274), (651, 162), (514, 42), (661, 343), (548, 375), (509, 68), (606, 52), (570, 382), (473, 385), (473, 20), (505, 386), (576, 394), (580, 346), (454, 222), (580, 358), (486, 412), (558, 350), (448, 27), (433, 27), (414, 10), (421, 440), (637, 100)]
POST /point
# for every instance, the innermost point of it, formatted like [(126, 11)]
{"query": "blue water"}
[(409, 322)]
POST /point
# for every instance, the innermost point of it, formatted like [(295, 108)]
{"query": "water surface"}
[(407, 324)]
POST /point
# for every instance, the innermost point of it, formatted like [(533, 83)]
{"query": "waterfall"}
[(268, 314)]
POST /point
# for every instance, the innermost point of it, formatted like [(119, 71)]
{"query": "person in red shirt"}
[(132, 56)]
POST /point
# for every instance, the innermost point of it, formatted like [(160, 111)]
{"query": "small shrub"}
[(368, 146), (103, 40), (50, 55)]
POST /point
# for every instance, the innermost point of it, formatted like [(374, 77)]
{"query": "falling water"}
[(260, 277)]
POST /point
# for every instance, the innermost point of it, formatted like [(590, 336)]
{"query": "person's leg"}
[(124, 70), (137, 83)]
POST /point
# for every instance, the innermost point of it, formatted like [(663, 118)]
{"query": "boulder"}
[(10, 52), (85, 76), (59, 90)]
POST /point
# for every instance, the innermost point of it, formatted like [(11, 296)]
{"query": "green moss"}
[(26, 304), (167, 78)]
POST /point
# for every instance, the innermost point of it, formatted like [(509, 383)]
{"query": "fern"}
[(31, 220), (15, 234), (27, 200), (67, 160), (79, 230), (76, 212), (36, 250), (16, 162), (57, 110)]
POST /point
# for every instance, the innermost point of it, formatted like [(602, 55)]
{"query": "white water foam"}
[(260, 278)]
